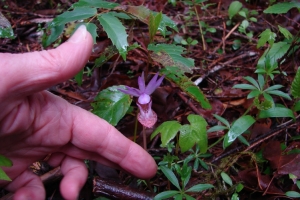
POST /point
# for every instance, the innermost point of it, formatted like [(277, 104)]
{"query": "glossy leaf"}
[(168, 131), (239, 127), (200, 188), (226, 178), (182, 81), (295, 88), (276, 112), (95, 4), (76, 14), (115, 31), (170, 55), (234, 8), (282, 7), (166, 195), (171, 176), (111, 104)]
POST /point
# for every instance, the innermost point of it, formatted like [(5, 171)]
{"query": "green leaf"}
[(200, 188), (276, 112), (296, 107), (217, 128), (186, 138), (166, 194), (280, 93), (187, 197), (170, 175), (76, 14), (198, 125), (168, 131), (6, 30), (226, 178), (92, 28), (253, 93), (282, 7), (234, 8), (239, 127), (3, 176), (243, 140), (221, 119), (239, 187), (111, 104), (78, 77), (95, 4), (285, 32), (170, 55), (261, 81), (5, 162), (115, 31), (175, 75), (253, 81), (154, 22), (266, 36), (244, 86), (293, 194), (55, 33), (295, 88), (273, 87)]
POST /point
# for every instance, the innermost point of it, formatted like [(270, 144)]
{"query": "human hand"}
[(34, 123)]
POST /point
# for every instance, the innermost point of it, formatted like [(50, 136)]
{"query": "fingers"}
[(91, 133), (31, 72), (27, 186), (75, 175)]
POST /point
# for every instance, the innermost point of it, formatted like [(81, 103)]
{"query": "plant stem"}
[(144, 138), (200, 27), (221, 138)]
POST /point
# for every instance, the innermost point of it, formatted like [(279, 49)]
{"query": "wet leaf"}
[(168, 131), (276, 112), (115, 31), (111, 104)]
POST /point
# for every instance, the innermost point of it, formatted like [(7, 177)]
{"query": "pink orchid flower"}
[(147, 117)]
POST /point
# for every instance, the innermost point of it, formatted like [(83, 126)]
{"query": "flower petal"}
[(141, 82), (153, 84), (131, 91)]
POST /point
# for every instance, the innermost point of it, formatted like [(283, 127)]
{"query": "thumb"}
[(27, 73)]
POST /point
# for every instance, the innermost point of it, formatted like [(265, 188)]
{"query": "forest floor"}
[(223, 54)]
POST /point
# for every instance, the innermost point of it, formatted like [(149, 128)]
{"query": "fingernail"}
[(79, 35)]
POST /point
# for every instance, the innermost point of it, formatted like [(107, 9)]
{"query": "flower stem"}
[(144, 138)]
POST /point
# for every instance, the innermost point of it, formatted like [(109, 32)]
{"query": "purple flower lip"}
[(144, 91)]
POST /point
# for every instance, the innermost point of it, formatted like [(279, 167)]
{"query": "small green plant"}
[(181, 193), (4, 162), (294, 194)]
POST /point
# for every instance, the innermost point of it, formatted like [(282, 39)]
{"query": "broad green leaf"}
[(239, 127), (217, 128), (115, 31), (234, 8), (200, 188), (6, 30), (3, 176), (198, 125), (280, 93), (5, 162), (166, 195), (297, 106), (226, 178), (221, 119), (76, 14), (276, 112), (143, 13), (170, 55), (168, 131), (266, 36), (55, 33), (154, 22), (175, 75), (111, 104), (274, 53), (95, 4), (285, 32), (295, 88), (171, 176), (92, 28), (293, 194), (244, 86), (282, 7), (186, 138)]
